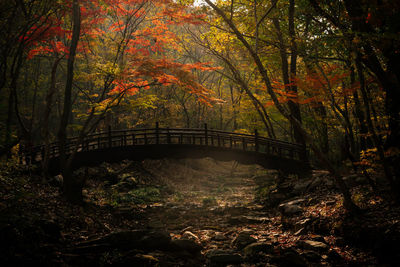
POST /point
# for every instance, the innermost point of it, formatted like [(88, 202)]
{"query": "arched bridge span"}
[(156, 143)]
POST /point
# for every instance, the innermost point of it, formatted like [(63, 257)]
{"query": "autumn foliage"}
[(127, 41)]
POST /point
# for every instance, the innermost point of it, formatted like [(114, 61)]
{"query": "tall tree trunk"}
[(72, 187), (8, 130), (358, 112), (289, 73), (321, 111), (378, 143), (294, 107), (233, 102), (14, 73), (46, 116)]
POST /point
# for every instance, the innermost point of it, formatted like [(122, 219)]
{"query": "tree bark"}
[(72, 190), (46, 116), (294, 106)]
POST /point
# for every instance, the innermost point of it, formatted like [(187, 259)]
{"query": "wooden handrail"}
[(176, 136)]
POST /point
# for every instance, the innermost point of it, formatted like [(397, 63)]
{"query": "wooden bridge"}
[(156, 143)]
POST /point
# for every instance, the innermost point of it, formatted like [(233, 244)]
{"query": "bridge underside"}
[(142, 152)]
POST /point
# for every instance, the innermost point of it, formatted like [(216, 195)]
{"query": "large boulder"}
[(243, 239)]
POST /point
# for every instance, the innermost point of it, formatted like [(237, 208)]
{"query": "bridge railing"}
[(173, 136)]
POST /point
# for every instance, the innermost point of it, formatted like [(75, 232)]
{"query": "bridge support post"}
[(157, 134), (256, 146), (205, 134)]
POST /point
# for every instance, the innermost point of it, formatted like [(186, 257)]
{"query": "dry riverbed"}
[(193, 213)]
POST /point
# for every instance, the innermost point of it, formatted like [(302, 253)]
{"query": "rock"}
[(318, 238), (255, 220), (302, 224), (330, 202), (190, 236), (187, 245), (285, 188), (296, 201), (234, 220), (274, 198), (189, 228), (223, 257), (290, 209), (313, 245), (319, 182), (290, 257), (257, 247), (301, 186), (244, 219), (235, 210), (156, 240), (130, 239), (219, 236), (217, 210), (156, 224), (312, 256), (243, 239)]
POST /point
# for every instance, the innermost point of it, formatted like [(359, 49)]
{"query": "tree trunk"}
[(45, 126), (72, 187), (321, 111), (294, 107), (72, 190)]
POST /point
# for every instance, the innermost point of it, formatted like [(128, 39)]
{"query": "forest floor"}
[(194, 213)]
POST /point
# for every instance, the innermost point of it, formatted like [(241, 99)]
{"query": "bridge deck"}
[(175, 141)]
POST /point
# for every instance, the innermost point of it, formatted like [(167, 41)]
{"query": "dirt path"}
[(213, 204), (208, 198)]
